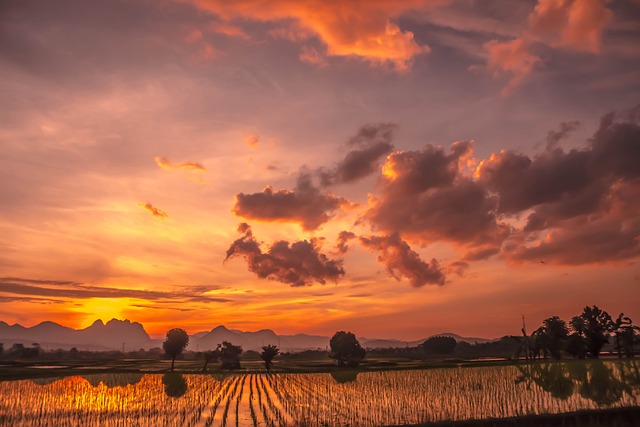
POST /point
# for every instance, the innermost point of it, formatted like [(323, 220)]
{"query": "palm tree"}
[(625, 333), (594, 326), (268, 353)]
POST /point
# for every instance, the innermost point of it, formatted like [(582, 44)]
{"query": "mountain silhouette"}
[(112, 335), (98, 336)]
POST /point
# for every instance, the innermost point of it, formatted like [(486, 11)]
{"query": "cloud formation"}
[(156, 212), (555, 136), (358, 28), (299, 263), (252, 141), (306, 205), (571, 24), (575, 24), (166, 164), (426, 197), (510, 57), (403, 262), (342, 241), (582, 203), (580, 206), (47, 289), (371, 143)]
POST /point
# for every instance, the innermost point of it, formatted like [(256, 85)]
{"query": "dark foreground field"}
[(616, 417)]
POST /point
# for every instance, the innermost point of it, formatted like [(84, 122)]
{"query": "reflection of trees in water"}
[(109, 380), (46, 381), (602, 386), (174, 384), (342, 377), (603, 383), (551, 377), (113, 380)]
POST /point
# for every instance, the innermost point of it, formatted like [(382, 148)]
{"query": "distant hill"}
[(383, 343), (97, 337), (255, 340), (112, 335)]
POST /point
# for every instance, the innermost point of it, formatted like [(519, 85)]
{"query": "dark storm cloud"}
[(305, 205), (75, 290), (522, 182), (426, 197), (584, 200), (563, 184), (403, 262), (371, 143), (299, 263)]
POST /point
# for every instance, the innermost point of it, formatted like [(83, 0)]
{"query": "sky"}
[(392, 168)]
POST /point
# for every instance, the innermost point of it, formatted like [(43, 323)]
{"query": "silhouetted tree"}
[(19, 350), (556, 334), (577, 343), (540, 343), (175, 343), (625, 334), (230, 355), (346, 349), (174, 384), (439, 345), (210, 356), (594, 325), (268, 353), (1, 348)]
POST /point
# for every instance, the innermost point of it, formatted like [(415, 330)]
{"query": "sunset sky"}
[(393, 168)]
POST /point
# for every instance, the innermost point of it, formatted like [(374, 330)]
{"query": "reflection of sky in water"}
[(370, 398)]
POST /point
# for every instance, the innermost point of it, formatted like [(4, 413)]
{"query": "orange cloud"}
[(166, 164), (158, 213), (361, 28), (511, 57), (228, 30), (252, 141), (310, 55), (576, 24), (573, 24)]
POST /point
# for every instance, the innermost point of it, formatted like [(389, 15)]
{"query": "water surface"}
[(341, 398)]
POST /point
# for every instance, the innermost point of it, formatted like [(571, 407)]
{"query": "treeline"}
[(585, 335)]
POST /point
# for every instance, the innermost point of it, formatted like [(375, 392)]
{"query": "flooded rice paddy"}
[(338, 399)]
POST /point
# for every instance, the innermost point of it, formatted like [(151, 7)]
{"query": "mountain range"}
[(119, 334)]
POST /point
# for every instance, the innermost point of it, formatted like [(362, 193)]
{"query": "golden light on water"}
[(341, 398)]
